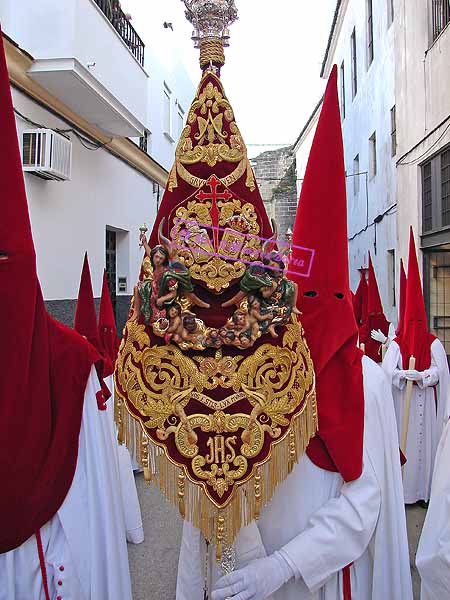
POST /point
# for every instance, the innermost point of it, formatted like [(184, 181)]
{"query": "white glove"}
[(412, 375), (378, 335), (256, 581)]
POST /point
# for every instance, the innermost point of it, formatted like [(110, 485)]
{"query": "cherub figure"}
[(191, 331), (175, 329), (259, 319)]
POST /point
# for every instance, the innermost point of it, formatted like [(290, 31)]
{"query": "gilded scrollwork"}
[(213, 143), (161, 383)]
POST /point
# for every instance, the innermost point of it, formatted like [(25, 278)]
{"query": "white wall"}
[(369, 112), (166, 54), (70, 217), (78, 29)]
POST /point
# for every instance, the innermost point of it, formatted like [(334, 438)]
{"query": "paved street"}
[(154, 563)]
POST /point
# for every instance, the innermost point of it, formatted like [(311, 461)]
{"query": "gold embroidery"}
[(208, 112), (239, 245), (160, 382)]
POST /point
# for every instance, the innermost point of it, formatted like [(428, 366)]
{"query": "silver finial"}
[(211, 19)]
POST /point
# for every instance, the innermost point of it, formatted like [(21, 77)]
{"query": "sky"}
[(272, 69)]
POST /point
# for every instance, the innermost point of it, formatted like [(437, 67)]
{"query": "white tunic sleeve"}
[(430, 377), (338, 533)]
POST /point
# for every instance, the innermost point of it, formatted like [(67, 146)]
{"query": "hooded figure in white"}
[(433, 553), (335, 529)]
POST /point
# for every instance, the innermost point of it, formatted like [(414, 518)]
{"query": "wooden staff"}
[(407, 410), (383, 351), (362, 347)]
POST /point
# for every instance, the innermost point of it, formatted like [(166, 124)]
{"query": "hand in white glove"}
[(256, 581), (378, 335), (412, 375)]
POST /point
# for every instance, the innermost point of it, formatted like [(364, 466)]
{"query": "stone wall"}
[(275, 172), (64, 311)]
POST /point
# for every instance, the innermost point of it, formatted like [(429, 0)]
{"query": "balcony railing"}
[(112, 10), (441, 16)]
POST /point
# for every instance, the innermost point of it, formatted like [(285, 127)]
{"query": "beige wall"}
[(423, 102)]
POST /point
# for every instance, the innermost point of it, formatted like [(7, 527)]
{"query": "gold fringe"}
[(221, 526)]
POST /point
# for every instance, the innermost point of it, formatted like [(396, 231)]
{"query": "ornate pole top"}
[(211, 19)]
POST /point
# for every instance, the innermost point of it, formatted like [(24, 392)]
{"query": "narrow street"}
[(154, 563)]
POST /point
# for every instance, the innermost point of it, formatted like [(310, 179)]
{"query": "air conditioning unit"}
[(46, 154)]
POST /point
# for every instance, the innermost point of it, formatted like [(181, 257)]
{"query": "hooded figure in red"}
[(45, 365), (375, 318), (360, 300), (86, 324), (107, 324), (325, 299), (401, 307), (414, 338)]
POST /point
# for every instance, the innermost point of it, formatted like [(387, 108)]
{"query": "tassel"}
[(219, 537), (144, 460), (181, 505)]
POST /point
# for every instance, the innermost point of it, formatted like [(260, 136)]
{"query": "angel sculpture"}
[(165, 280)]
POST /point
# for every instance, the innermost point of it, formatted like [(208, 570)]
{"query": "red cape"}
[(45, 365)]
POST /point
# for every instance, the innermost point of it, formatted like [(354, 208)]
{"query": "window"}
[(390, 10), (111, 264), (356, 175), (373, 155), (354, 64), (342, 90), (440, 16), (436, 192), (180, 120), (436, 279), (445, 187), (167, 110), (369, 33), (391, 276), (393, 132), (145, 142), (427, 198)]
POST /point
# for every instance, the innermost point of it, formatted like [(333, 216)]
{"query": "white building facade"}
[(361, 44), (80, 68), (423, 165)]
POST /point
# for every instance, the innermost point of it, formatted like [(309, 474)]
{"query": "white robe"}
[(429, 411), (122, 463), (84, 543), (433, 553), (324, 524)]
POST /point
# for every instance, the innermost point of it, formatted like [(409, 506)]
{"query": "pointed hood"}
[(374, 305), (85, 316), (86, 322), (415, 339), (402, 302), (47, 364), (325, 298), (107, 323), (375, 318), (360, 300)]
